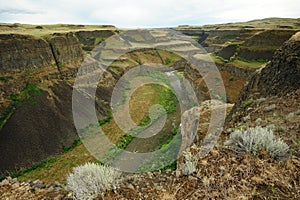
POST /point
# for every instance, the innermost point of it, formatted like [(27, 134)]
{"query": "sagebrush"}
[(189, 165), (88, 181), (254, 140)]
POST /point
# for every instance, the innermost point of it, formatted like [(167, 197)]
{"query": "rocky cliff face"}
[(271, 97), (262, 45), (279, 77), (89, 39), (22, 52), (236, 71), (243, 42), (36, 119), (213, 40), (66, 49), (19, 53)]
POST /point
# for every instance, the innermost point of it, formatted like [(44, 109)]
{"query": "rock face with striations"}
[(278, 78), (23, 52), (261, 46), (89, 39), (66, 49)]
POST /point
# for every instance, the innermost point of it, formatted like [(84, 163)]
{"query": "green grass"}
[(247, 103), (167, 159), (174, 132), (163, 96), (98, 40), (37, 169), (167, 61), (168, 100), (7, 113), (170, 149), (27, 95), (145, 121), (180, 76), (71, 147), (60, 65), (169, 58), (40, 165), (139, 61), (228, 36), (123, 143), (56, 168), (217, 59), (247, 64), (238, 62), (120, 146), (106, 119)]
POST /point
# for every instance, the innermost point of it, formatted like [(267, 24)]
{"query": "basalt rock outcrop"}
[(36, 127), (24, 52), (248, 43), (19, 53), (89, 39), (279, 78), (261, 46), (66, 49)]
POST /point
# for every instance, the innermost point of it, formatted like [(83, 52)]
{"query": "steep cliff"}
[(38, 128), (36, 119), (272, 96), (214, 40), (66, 49), (262, 45), (27, 59), (279, 77), (248, 43), (19, 53), (89, 39), (24, 52)]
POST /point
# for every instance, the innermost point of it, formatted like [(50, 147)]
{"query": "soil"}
[(221, 175)]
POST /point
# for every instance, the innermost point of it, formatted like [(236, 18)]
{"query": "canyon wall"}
[(66, 49), (23, 52), (262, 45), (246, 43), (280, 77), (33, 130), (36, 74)]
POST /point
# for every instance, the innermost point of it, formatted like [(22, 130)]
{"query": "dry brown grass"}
[(221, 175), (28, 29)]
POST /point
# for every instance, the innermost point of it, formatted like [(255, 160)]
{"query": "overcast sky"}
[(144, 13)]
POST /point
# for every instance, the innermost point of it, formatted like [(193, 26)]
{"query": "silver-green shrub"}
[(189, 163), (88, 181), (253, 140)]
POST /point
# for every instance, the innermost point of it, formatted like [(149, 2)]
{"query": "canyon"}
[(39, 64)]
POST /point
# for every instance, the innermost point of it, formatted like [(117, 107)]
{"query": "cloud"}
[(16, 12), (139, 13)]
